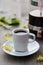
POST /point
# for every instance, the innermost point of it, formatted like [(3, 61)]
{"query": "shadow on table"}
[(25, 58)]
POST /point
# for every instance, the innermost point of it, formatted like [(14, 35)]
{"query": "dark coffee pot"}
[(36, 24)]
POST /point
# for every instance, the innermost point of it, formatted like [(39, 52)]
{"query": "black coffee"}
[(20, 31)]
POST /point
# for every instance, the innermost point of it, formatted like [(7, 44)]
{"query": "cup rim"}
[(20, 29)]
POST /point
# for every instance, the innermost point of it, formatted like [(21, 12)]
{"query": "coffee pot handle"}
[(31, 35)]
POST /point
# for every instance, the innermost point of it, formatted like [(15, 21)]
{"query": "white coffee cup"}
[(21, 39)]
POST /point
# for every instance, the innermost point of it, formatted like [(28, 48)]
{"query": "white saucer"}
[(32, 48)]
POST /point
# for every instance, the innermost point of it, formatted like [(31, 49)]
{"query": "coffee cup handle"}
[(31, 35)]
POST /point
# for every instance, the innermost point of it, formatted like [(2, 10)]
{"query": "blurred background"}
[(20, 7)]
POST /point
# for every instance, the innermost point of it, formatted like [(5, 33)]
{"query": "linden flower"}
[(40, 58), (8, 48), (7, 27), (7, 36), (4, 25), (1, 23), (23, 26)]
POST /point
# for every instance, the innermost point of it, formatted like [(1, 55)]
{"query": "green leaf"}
[(2, 18)]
